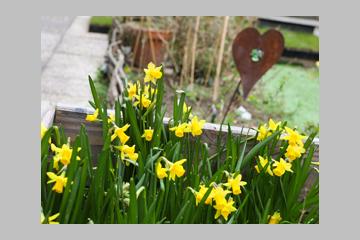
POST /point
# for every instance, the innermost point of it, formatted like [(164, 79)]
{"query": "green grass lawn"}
[(291, 93), (101, 20), (297, 39)]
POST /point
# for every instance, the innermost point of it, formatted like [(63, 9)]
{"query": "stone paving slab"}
[(48, 44), (67, 66), (55, 24), (84, 45), (67, 91), (73, 100), (71, 53)]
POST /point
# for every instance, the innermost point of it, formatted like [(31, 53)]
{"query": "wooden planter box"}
[(71, 118)]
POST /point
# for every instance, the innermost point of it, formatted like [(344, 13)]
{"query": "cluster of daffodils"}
[(127, 153), (224, 205), (295, 140), (171, 169), (266, 130), (63, 156), (145, 97), (131, 142), (194, 127), (294, 149), (296, 145), (278, 167)]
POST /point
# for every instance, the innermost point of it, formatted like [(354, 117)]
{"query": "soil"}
[(99, 29), (201, 103)]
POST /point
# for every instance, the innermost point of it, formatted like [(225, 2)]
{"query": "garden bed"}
[(133, 165), (259, 102)]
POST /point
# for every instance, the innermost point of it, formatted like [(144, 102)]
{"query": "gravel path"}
[(69, 53)]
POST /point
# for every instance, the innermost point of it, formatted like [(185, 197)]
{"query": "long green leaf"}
[(134, 125), (95, 95), (255, 150), (180, 216), (133, 208)]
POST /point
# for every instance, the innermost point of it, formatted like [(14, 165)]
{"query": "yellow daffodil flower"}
[(281, 167), (127, 152), (219, 195), (50, 219), (196, 126), (92, 117), (263, 133), (235, 184), (293, 137), (132, 90), (43, 130), (148, 134), (176, 169), (224, 209), (272, 125), (160, 171), (60, 181), (145, 101), (130, 152), (120, 133), (293, 152), (263, 162), (56, 159), (62, 154), (201, 193), (275, 218), (152, 73), (180, 129), (111, 118)]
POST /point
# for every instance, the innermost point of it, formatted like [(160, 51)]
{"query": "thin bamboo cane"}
[(220, 58), (185, 58), (193, 50), (212, 62), (136, 47)]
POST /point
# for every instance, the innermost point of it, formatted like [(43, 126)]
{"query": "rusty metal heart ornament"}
[(254, 54)]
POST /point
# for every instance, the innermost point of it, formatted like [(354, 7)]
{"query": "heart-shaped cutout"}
[(254, 54)]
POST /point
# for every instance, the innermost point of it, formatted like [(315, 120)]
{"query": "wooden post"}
[(213, 56), (193, 50), (220, 58), (138, 38), (151, 41), (185, 58)]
